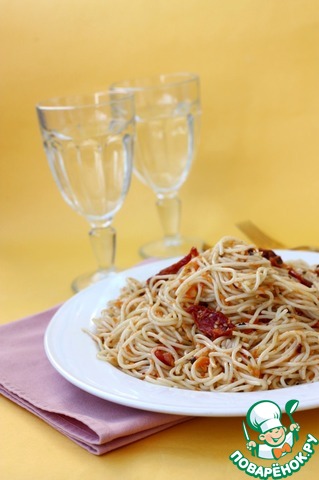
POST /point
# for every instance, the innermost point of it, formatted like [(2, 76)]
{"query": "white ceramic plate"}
[(73, 354)]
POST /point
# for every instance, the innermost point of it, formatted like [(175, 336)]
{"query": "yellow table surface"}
[(259, 67)]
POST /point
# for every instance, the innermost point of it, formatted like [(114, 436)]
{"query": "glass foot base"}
[(88, 279), (173, 248)]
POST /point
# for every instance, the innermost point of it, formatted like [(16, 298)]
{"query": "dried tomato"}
[(275, 260), (202, 364), (164, 357), (211, 323), (175, 267), (299, 277)]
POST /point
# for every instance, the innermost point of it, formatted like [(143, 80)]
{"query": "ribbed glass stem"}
[(169, 209), (103, 241)]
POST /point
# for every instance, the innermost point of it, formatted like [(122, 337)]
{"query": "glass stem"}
[(103, 241), (169, 209)]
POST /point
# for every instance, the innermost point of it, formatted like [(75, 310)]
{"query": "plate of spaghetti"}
[(208, 334)]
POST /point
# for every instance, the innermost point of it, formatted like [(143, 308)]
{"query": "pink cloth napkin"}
[(28, 379)]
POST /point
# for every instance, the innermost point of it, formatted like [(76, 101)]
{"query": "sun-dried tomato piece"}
[(211, 323), (299, 348), (175, 267), (202, 364), (299, 277), (164, 357), (274, 259)]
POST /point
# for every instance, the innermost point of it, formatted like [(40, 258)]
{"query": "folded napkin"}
[(28, 379)]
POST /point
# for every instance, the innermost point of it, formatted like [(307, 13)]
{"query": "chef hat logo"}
[(264, 416)]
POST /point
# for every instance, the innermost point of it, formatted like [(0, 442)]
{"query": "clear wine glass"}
[(88, 140), (167, 133)]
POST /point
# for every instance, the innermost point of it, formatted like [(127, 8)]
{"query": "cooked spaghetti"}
[(232, 319)]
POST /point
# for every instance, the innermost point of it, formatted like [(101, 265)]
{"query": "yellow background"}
[(259, 66)]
